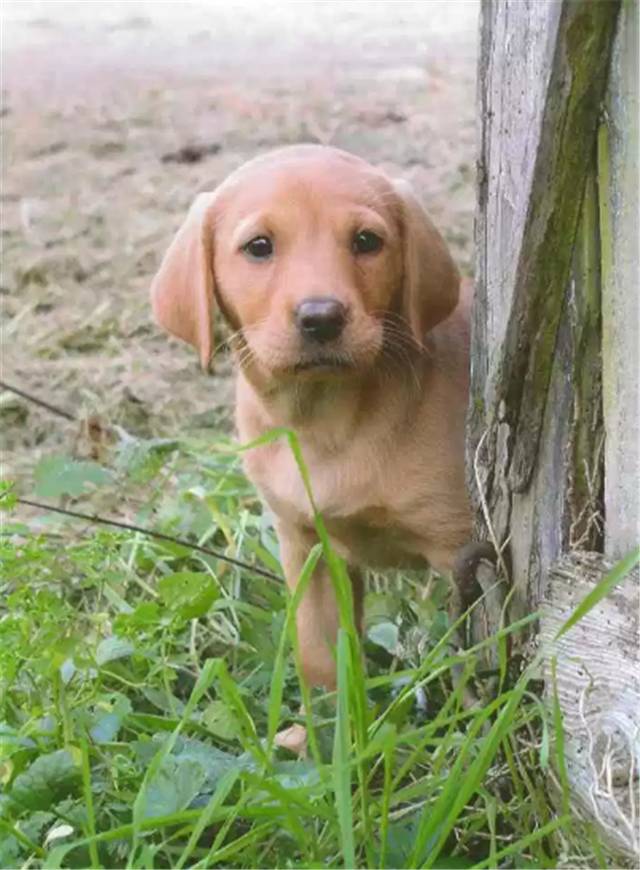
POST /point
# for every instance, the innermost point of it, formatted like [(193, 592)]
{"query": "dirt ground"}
[(99, 102)]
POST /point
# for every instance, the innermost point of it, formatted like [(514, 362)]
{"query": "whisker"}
[(402, 363)]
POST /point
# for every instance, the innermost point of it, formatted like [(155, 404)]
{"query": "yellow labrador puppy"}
[(347, 326)]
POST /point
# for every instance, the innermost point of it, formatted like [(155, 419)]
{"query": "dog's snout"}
[(321, 318)]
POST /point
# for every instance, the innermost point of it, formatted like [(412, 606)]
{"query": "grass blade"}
[(88, 799), (558, 729), (341, 752), (604, 587), (208, 674), (438, 822), (524, 843), (277, 683), (225, 784)]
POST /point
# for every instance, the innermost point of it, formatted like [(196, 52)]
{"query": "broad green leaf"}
[(220, 720), (146, 613), (164, 700), (174, 786), (67, 671), (215, 762), (206, 677), (400, 839), (187, 593), (295, 775), (106, 728), (112, 648), (380, 606), (9, 852), (386, 635), (219, 796), (61, 475), (11, 741), (48, 780)]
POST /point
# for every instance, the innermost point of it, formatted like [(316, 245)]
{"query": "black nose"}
[(320, 318)]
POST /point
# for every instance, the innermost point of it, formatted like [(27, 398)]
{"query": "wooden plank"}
[(516, 53), (561, 508), (598, 686), (551, 295), (544, 94), (619, 207)]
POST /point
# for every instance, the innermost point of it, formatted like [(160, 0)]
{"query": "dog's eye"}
[(366, 242), (259, 248)]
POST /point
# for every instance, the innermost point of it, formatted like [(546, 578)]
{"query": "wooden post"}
[(553, 422), (619, 212)]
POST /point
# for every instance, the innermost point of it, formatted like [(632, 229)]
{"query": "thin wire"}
[(59, 411), (94, 518), (263, 572)]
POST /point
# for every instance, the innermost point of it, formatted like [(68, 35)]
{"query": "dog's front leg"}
[(317, 615), (317, 620)]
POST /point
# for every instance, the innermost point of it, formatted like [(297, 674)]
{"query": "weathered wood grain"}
[(516, 52), (542, 76), (619, 209), (553, 428), (598, 686)]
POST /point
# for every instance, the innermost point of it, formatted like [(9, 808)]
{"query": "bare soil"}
[(115, 115)]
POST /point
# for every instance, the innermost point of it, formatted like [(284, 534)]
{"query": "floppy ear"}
[(431, 279), (182, 296)]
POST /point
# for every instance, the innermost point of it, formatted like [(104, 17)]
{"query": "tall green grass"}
[(143, 685)]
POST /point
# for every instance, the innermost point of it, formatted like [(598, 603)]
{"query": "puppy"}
[(347, 326)]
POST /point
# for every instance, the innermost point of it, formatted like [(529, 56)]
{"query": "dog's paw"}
[(294, 739)]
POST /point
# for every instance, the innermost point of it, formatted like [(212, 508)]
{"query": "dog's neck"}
[(333, 408), (307, 403)]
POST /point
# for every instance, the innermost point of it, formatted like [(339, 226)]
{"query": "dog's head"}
[(315, 259)]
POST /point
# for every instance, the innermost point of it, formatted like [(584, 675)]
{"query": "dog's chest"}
[(353, 499), (337, 490)]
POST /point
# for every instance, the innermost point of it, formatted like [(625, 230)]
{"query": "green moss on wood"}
[(604, 182), (576, 89), (585, 498), (606, 252)]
